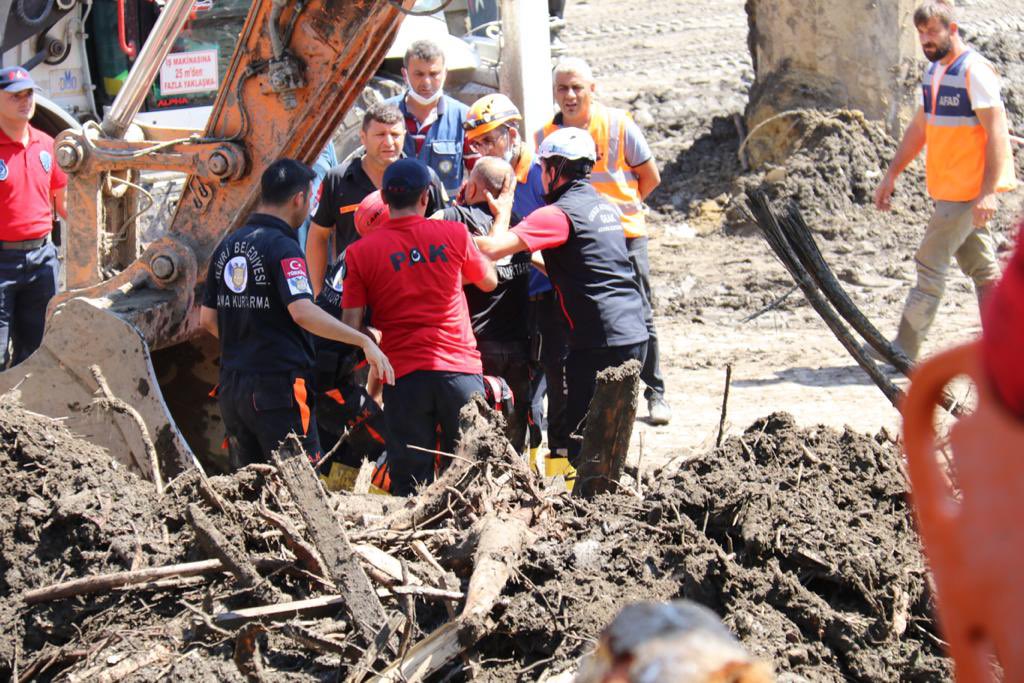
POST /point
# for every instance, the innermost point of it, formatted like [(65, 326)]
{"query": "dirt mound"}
[(66, 509), (800, 539)]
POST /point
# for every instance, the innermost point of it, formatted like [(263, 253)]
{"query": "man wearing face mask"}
[(433, 120), (962, 121)]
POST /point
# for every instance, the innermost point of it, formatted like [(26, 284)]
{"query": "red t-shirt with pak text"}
[(409, 272)]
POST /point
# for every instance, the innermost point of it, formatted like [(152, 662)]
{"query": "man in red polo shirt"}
[(409, 272), (31, 187)]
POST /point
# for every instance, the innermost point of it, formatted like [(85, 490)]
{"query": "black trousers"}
[(415, 406), (28, 280), (550, 344), (260, 411), (581, 368), (651, 373), (349, 408), (511, 362)]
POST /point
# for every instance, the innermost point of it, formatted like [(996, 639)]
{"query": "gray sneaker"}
[(659, 411)]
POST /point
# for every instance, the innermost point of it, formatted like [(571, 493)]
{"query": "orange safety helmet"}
[(372, 212), (489, 112)]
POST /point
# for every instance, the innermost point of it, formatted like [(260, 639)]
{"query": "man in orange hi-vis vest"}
[(625, 174), (962, 122)]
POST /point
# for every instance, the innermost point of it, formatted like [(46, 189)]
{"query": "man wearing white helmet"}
[(584, 247)]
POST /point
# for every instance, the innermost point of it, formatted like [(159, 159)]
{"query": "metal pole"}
[(525, 74), (131, 95)]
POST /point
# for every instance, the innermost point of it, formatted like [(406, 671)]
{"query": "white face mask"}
[(420, 99)]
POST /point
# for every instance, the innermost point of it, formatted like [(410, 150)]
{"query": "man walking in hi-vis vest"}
[(625, 174), (962, 122)]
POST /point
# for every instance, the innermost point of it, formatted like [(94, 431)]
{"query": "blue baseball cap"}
[(406, 176), (16, 79)]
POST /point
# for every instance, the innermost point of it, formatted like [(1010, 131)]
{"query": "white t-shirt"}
[(983, 85)]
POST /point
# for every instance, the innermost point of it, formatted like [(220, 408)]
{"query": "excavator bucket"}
[(95, 372), (123, 361), (974, 539)]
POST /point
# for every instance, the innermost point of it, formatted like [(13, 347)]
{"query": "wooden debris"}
[(609, 427), (325, 605), (305, 553), (248, 657), (329, 538), (214, 542)]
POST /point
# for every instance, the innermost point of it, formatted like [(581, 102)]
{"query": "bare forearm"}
[(996, 150), (910, 146), (316, 321), (317, 243), (648, 178)]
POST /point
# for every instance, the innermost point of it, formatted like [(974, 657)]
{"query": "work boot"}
[(534, 452), (658, 410), (340, 477), (557, 464)]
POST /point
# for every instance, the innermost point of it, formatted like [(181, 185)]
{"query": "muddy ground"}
[(684, 71), (800, 539)]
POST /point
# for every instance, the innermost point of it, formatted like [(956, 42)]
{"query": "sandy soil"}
[(684, 71)]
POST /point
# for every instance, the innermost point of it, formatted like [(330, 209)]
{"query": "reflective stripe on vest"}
[(954, 136), (612, 175)]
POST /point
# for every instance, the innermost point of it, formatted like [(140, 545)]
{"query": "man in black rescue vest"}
[(581, 238), (259, 303)]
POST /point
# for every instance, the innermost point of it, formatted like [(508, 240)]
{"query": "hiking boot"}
[(658, 410)]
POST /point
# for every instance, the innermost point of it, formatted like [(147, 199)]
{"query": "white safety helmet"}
[(568, 143)]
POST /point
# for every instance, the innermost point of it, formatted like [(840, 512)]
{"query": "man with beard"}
[(962, 122), (433, 120)]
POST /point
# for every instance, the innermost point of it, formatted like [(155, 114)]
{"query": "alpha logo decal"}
[(46, 160), (296, 276), (3, 170), (236, 274)]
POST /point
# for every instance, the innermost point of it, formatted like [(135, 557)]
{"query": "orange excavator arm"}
[(298, 66)]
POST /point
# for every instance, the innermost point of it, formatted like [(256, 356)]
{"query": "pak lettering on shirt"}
[(29, 176), (409, 272), (343, 187), (584, 247), (254, 274), (500, 315)]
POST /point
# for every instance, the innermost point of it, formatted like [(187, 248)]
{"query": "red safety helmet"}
[(371, 214)]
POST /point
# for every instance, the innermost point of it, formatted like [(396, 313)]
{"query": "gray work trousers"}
[(950, 234)]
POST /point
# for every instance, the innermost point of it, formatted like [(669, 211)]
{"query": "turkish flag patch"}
[(296, 276)]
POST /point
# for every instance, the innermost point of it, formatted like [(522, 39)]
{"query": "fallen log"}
[(501, 540), (608, 429), (340, 561)]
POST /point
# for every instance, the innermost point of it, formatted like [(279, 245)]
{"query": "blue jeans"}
[(28, 280)]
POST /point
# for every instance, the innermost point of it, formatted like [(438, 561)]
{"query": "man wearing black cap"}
[(259, 302), (410, 271), (31, 187)]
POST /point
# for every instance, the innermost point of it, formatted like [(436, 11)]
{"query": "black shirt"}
[(501, 315), (254, 274), (334, 360), (592, 273), (344, 187)]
